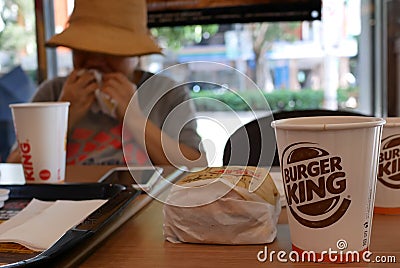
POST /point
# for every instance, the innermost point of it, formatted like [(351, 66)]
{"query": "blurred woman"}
[(107, 38)]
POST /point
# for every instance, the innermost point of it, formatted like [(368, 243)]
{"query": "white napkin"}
[(104, 103), (40, 224)]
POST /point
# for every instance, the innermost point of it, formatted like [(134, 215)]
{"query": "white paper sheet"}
[(39, 225)]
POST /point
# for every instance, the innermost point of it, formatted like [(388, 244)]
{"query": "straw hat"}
[(116, 27)]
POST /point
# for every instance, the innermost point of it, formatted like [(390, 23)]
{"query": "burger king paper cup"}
[(41, 130), (329, 166), (387, 199)]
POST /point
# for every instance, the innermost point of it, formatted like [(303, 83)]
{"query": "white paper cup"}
[(387, 199), (329, 166), (41, 130)]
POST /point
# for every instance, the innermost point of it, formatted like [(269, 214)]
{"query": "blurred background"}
[(332, 54)]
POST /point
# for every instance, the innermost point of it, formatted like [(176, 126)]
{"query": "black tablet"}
[(142, 178)]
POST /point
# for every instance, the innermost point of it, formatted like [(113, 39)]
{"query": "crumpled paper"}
[(228, 205), (104, 103)]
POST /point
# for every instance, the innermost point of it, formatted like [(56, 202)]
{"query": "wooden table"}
[(139, 241)]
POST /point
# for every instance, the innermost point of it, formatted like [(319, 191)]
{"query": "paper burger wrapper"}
[(224, 205)]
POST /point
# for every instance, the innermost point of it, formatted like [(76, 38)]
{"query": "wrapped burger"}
[(223, 205)]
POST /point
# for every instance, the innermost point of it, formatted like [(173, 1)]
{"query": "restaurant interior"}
[(244, 64)]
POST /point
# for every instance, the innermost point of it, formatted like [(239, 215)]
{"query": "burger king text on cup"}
[(387, 200)]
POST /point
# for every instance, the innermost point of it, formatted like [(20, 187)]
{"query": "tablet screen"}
[(143, 177)]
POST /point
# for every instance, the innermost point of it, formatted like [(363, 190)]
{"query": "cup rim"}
[(324, 123), (39, 104)]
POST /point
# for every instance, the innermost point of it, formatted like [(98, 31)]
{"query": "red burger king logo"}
[(389, 162), (44, 174), (315, 185)]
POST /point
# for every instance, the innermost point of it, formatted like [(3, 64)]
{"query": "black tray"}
[(118, 197)]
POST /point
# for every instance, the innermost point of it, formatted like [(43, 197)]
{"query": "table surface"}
[(138, 240)]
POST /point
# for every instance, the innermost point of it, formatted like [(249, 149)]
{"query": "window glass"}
[(296, 65), (17, 36), (18, 63)]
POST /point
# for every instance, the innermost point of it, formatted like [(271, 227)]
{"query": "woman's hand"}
[(162, 149), (118, 87), (79, 91)]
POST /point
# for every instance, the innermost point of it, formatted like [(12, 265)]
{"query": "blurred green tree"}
[(177, 37), (17, 30)]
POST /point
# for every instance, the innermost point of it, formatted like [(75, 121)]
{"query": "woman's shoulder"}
[(56, 82), (49, 90), (162, 84)]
